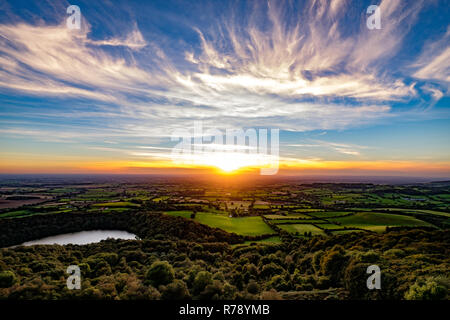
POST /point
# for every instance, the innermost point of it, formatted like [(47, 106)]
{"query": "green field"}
[(343, 231), (110, 209), (378, 221), (295, 215), (308, 210), (326, 214), (299, 215), (17, 213), (302, 228), (300, 221), (121, 204), (249, 226), (420, 211), (160, 198), (330, 226), (182, 213), (261, 206), (271, 240), (24, 213)]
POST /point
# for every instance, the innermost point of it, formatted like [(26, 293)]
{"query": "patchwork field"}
[(120, 204), (270, 240), (331, 226), (379, 221), (293, 208), (327, 214), (343, 231), (300, 221), (302, 228), (414, 211), (249, 226), (290, 216)]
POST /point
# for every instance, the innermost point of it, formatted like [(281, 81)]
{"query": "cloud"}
[(434, 61), (54, 60), (372, 47), (342, 148), (275, 69), (435, 92), (133, 40), (309, 57)]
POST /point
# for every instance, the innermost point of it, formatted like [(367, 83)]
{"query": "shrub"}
[(278, 283), (7, 279), (355, 279), (177, 290), (212, 291), (369, 256), (110, 257), (317, 256), (160, 273), (202, 279), (272, 294), (394, 253), (333, 262), (270, 270), (433, 288), (253, 287)]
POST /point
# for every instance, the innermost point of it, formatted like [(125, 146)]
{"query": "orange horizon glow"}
[(320, 167)]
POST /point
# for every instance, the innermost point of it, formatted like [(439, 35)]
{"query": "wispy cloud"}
[(133, 40), (434, 61), (54, 60), (296, 72), (311, 57), (342, 148)]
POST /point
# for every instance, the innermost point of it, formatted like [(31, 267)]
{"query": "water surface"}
[(83, 237)]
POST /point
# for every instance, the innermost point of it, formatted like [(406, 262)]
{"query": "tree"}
[(433, 288), (253, 287), (333, 262), (7, 279), (160, 273), (176, 290), (202, 279)]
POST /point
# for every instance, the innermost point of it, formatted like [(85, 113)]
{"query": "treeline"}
[(414, 265)]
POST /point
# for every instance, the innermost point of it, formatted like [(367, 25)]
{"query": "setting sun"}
[(228, 162)]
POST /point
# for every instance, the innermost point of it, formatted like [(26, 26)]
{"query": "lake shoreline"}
[(81, 238)]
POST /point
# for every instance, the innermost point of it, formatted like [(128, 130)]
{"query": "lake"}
[(83, 237)]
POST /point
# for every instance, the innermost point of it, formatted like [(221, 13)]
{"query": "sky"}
[(110, 97)]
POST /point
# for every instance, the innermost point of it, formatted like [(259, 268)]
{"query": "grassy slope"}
[(250, 226), (292, 228), (379, 221)]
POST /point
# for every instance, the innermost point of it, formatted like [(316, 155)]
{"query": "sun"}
[(228, 166), (225, 162), (230, 162)]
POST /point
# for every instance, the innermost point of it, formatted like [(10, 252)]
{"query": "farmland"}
[(242, 226), (295, 209), (262, 239)]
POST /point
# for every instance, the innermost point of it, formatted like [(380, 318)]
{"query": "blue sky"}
[(135, 72)]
